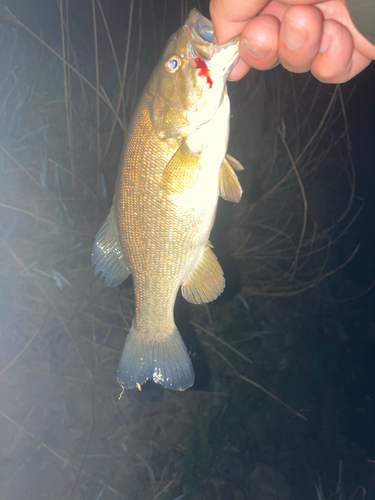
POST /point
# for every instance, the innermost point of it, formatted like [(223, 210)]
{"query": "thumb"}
[(230, 16)]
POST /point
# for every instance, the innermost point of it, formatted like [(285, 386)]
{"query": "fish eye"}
[(172, 64)]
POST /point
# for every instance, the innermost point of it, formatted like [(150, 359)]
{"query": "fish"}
[(174, 166)]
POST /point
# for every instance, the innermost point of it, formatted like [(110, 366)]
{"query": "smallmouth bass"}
[(173, 168)]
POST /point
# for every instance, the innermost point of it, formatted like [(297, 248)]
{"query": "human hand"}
[(302, 34)]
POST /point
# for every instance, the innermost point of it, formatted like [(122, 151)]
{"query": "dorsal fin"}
[(106, 253), (206, 281)]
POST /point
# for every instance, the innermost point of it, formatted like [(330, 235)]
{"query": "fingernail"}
[(326, 40), (256, 49), (294, 36)]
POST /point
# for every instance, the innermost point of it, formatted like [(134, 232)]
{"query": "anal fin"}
[(206, 281), (182, 170), (229, 186), (107, 255)]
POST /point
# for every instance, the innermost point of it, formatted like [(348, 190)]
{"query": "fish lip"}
[(202, 35), (200, 26)]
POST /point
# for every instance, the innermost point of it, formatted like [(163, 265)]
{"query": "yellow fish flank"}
[(173, 167)]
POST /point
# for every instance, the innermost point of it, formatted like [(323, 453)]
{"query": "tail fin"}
[(166, 362)]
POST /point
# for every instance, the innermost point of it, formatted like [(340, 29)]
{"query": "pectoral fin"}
[(182, 171), (206, 281), (229, 186), (107, 255)]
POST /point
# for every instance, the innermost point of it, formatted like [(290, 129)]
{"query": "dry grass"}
[(285, 238), (339, 493)]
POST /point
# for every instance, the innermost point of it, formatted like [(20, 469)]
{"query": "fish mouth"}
[(200, 26), (202, 36)]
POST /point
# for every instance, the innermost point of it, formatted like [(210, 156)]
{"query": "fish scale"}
[(172, 170)]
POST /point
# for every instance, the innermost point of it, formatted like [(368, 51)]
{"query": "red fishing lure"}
[(203, 70)]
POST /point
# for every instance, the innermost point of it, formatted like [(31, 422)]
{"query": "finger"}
[(259, 42), (300, 35), (359, 63), (239, 71), (338, 61), (230, 16), (334, 9), (333, 63)]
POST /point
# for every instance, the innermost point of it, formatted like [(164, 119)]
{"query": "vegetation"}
[(65, 105)]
